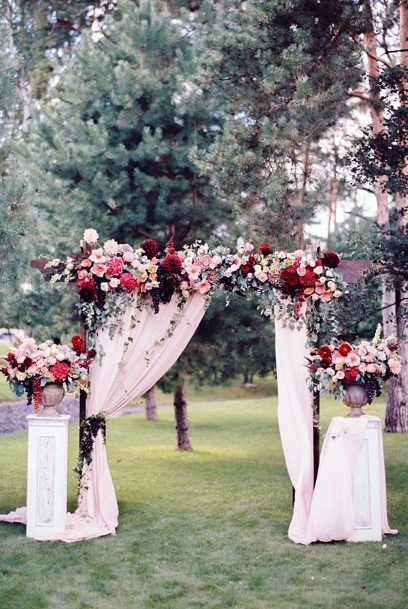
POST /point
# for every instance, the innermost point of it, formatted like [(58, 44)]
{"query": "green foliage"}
[(232, 340), (284, 69), (206, 529), (131, 116), (384, 154), (43, 31)]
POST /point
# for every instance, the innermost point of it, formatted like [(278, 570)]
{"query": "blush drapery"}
[(295, 416), (134, 360)]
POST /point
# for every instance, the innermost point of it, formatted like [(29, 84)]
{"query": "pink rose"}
[(128, 257), (98, 269), (204, 286), (372, 368), (352, 359), (395, 366), (248, 247), (82, 274), (97, 256)]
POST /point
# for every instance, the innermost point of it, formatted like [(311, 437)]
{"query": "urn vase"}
[(51, 396), (355, 397)]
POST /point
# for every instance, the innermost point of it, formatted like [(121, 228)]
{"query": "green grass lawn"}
[(206, 529)]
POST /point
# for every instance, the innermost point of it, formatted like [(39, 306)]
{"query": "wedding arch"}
[(141, 307)]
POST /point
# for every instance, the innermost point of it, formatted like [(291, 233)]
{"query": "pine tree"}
[(15, 218), (132, 116), (284, 69)]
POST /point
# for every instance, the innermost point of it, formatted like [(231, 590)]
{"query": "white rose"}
[(331, 284), (114, 282), (90, 235), (322, 280), (104, 286), (337, 293)]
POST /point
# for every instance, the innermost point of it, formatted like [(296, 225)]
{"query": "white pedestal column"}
[(367, 487), (47, 476)]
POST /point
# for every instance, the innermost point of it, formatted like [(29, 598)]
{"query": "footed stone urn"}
[(355, 397), (51, 396)]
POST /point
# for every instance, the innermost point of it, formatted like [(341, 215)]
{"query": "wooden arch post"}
[(352, 271)]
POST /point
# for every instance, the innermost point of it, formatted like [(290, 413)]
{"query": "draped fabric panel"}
[(134, 360), (295, 416)]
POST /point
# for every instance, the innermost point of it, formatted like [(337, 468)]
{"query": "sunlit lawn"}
[(205, 529)]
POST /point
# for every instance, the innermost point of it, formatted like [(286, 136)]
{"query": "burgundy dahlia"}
[(150, 247), (172, 263), (330, 259)]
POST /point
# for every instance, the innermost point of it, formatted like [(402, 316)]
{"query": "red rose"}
[(88, 282), (91, 353), (326, 361), (350, 375), (150, 247), (324, 351), (251, 259), (245, 268), (290, 275), (128, 282), (59, 371), (344, 349), (264, 249), (330, 259), (5, 371), (172, 264), (78, 344), (293, 279), (309, 279), (115, 267)]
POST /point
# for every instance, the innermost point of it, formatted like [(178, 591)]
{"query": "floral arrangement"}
[(370, 363), (109, 275), (29, 367), (286, 279)]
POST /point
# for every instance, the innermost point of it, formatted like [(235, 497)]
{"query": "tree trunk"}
[(396, 408), (150, 405), (396, 417), (181, 419)]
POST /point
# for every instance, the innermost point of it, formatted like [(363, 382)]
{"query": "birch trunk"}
[(396, 419)]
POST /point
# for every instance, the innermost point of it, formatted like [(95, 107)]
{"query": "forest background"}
[(280, 121)]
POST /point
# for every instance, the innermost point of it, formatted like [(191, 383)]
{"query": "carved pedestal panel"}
[(367, 488), (47, 476)]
